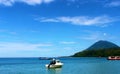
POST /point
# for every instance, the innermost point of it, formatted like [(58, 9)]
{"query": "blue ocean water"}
[(71, 66)]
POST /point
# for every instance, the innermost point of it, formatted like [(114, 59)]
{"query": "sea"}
[(83, 65)]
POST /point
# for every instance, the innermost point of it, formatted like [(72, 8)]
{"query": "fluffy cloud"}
[(29, 2), (113, 4), (7, 2), (81, 20), (35, 2)]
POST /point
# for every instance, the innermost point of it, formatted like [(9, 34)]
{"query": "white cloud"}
[(113, 4), (29, 2), (12, 46), (16, 49), (7, 2), (46, 20), (81, 20), (65, 42)]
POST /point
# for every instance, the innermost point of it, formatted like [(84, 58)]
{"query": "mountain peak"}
[(100, 48), (102, 44)]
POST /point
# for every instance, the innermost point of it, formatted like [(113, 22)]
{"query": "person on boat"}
[(52, 62)]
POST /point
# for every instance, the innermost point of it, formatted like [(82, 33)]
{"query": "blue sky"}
[(40, 28)]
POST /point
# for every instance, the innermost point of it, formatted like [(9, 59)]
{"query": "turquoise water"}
[(71, 66)]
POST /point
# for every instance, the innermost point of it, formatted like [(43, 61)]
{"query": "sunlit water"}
[(71, 66)]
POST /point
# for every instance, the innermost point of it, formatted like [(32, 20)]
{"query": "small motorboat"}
[(113, 58), (57, 64)]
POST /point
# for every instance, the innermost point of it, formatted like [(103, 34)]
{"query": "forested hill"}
[(100, 49), (102, 45)]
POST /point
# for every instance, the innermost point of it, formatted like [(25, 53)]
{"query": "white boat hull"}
[(57, 65)]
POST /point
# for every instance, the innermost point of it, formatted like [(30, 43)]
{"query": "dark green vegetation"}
[(102, 45), (100, 49)]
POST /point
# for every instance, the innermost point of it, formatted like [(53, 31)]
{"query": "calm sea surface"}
[(71, 66)]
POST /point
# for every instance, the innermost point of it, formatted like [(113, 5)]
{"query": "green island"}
[(100, 49)]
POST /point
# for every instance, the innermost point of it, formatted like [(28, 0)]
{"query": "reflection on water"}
[(54, 71)]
